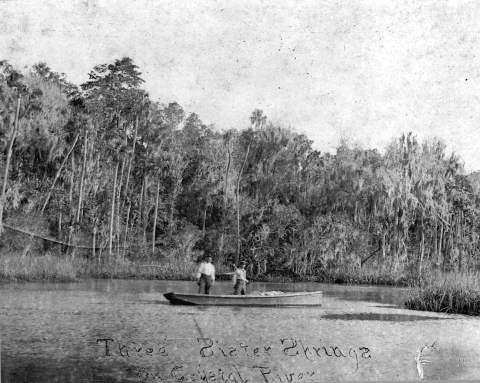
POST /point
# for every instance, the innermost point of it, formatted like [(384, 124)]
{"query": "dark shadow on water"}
[(381, 317), (389, 307)]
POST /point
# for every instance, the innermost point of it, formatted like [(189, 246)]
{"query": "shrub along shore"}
[(448, 292)]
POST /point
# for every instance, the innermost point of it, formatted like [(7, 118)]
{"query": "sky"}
[(365, 70)]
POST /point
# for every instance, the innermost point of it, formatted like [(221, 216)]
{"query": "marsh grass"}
[(61, 268), (365, 276), (347, 275), (21, 266), (453, 292), (28, 267), (168, 269)]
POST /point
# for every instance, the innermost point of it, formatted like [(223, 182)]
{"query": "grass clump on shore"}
[(454, 292), (28, 267)]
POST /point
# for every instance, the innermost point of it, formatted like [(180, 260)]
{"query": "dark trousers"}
[(204, 284), (240, 288)]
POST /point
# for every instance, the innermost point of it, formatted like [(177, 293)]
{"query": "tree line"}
[(104, 165)]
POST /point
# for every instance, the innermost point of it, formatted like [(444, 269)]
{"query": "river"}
[(125, 331)]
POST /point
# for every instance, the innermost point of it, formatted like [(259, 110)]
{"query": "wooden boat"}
[(260, 299)]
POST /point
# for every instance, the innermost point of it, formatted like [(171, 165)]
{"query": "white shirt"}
[(207, 269), (240, 274)]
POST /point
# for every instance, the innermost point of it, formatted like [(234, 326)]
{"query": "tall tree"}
[(112, 94)]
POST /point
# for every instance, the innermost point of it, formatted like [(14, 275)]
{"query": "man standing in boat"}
[(206, 275), (240, 280)]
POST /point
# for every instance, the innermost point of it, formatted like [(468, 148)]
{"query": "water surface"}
[(125, 331)]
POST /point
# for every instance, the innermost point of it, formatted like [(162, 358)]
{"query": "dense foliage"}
[(106, 167)]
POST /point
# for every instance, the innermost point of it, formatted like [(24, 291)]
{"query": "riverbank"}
[(55, 268), (452, 292)]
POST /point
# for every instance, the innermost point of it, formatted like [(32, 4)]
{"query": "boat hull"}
[(289, 299)]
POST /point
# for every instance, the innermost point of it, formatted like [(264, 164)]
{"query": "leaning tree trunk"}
[(238, 204), (140, 208), (94, 243), (422, 247), (126, 230), (461, 241), (119, 193), (435, 235), (72, 181), (82, 181), (143, 197), (440, 247), (145, 214), (224, 210), (112, 212), (60, 226), (117, 196), (132, 157), (155, 215), (395, 234), (80, 192), (384, 238), (7, 164), (130, 198)]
